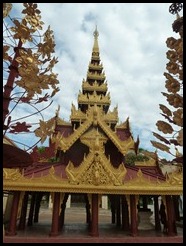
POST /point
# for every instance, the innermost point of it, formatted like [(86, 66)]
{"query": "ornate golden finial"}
[(96, 46), (96, 33)]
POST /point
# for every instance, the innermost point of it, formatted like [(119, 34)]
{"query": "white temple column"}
[(104, 202), (68, 204), (50, 202)]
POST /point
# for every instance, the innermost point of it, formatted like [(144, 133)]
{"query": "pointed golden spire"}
[(96, 46)]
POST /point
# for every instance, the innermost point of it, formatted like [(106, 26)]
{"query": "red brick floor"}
[(76, 231)]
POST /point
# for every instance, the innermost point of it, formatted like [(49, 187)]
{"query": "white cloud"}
[(132, 49)]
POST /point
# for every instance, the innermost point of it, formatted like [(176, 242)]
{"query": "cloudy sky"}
[(132, 46)]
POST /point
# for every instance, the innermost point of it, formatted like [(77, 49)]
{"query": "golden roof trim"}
[(124, 125), (96, 76), (94, 98), (123, 146), (77, 113), (94, 116), (65, 143), (53, 183), (95, 86), (62, 122), (95, 66), (111, 116)]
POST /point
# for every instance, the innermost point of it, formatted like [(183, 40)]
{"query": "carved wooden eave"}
[(95, 86), (96, 76), (77, 114), (124, 125), (14, 180), (175, 178), (94, 99), (111, 116), (96, 66), (123, 146), (65, 143), (62, 122), (94, 117)]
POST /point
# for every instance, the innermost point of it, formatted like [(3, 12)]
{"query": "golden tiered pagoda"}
[(90, 162)]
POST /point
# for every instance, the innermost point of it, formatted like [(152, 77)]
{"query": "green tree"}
[(132, 157)]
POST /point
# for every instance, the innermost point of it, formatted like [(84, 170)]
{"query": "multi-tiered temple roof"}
[(90, 150)]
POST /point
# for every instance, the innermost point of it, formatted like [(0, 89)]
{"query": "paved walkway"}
[(76, 231)]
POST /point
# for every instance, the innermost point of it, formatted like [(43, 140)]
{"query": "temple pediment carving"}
[(95, 118), (96, 169)]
